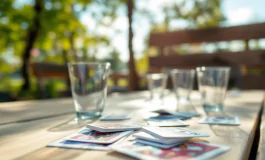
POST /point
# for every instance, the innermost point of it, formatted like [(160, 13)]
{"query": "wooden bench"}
[(239, 61), (43, 71)]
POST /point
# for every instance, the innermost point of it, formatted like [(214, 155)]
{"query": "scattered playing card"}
[(166, 117), (170, 132), (181, 114), (168, 123), (91, 136), (189, 150), (155, 144), (112, 127), (63, 143), (149, 137), (223, 120), (116, 117)]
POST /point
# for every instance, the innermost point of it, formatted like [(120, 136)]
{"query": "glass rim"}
[(156, 75), (88, 63), (202, 68), (182, 70)]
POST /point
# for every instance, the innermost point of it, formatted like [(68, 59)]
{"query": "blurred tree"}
[(133, 77), (110, 10), (114, 59), (32, 35), (196, 14)]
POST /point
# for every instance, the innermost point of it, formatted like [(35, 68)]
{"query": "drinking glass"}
[(212, 83), (89, 88), (182, 80), (156, 84)]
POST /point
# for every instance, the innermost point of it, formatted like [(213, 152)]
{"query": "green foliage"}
[(62, 37), (197, 14)]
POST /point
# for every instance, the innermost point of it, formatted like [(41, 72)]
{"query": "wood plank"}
[(252, 82), (250, 58), (30, 110), (184, 61), (49, 70), (27, 140), (261, 148), (244, 32)]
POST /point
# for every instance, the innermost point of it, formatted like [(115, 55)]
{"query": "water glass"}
[(182, 80), (156, 84), (212, 83), (89, 88)]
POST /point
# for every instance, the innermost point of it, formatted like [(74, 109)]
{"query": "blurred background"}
[(37, 35)]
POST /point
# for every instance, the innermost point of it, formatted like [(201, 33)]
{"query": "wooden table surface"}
[(261, 148), (26, 127)]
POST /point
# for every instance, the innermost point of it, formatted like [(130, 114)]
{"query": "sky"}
[(237, 12)]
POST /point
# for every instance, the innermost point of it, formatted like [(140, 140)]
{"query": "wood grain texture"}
[(261, 148), (244, 32), (27, 140), (249, 58)]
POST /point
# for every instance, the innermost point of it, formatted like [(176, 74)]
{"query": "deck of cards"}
[(96, 136), (165, 137), (184, 151), (169, 143)]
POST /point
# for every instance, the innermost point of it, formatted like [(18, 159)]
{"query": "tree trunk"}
[(72, 45), (66, 60), (133, 77), (31, 38)]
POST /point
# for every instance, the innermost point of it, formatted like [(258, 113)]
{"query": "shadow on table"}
[(70, 125), (119, 155), (228, 131), (54, 153)]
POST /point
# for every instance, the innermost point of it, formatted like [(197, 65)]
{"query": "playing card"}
[(170, 132), (64, 143), (92, 136), (168, 123), (112, 127), (223, 120), (155, 144), (185, 151), (116, 117), (181, 114), (166, 117), (152, 138)]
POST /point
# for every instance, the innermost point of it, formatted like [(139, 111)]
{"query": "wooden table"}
[(27, 127), (261, 147)]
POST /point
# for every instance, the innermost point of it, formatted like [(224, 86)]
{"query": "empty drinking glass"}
[(89, 88), (212, 83), (182, 80), (156, 84)]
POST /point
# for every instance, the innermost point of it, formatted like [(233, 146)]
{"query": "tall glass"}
[(156, 84), (182, 80), (89, 88), (212, 83)]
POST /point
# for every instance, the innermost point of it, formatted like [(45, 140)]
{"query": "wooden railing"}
[(245, 60), (43, 71)]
